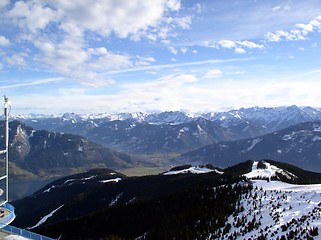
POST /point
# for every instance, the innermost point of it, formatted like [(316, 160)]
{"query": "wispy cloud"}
[(33, 83), (177, 65)]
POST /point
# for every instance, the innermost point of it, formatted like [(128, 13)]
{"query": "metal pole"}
[(6, 104)]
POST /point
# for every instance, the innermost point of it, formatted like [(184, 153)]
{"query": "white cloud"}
[(68, 53), (174, 5), (227, 44), (173, 50), (31, 15), (300, 31), (213, 73), (184, 50), (238, 46), (16, 59), (276, 8), (4, 41), (249, 44), (184, 22), (144, 61), (239, 50), (72, 60), (198, 8)]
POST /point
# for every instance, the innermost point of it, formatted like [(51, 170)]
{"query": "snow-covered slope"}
[(194, 170), (267, 171), (275, 209)]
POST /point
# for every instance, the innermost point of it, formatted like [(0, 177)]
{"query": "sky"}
[(96, 56)]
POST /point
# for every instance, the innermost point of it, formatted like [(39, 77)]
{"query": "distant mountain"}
[(149, 138), (299, 145), (173, 132), (43, 153), (253, 122), (103, 204)]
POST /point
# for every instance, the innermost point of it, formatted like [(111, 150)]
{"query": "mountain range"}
[(172, 132), (254, 199), (178, 137)]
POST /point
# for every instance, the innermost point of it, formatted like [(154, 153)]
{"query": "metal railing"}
[(8, 218), (25, 233), (15, 230)]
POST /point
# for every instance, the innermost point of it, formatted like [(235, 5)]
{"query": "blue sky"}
[(155, 55)]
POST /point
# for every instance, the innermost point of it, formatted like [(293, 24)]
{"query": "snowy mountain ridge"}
[(263, 114)]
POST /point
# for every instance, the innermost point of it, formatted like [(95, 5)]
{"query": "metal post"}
[(6, 104)]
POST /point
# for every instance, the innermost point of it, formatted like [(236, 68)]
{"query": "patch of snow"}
[(111, 180), (32, 132), (316, 138), (114, 201), (223, 146), (287, 137), (200, 130), (14, 237), (253, 143), (245, 129), (278, 185), (317, 127), (49, 189), (80, 180), (45, 218), (184, 129), (194, 170)]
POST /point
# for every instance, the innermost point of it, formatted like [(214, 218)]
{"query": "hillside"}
[(298, 145), (42, 153), (185, 202), (103, 203)]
